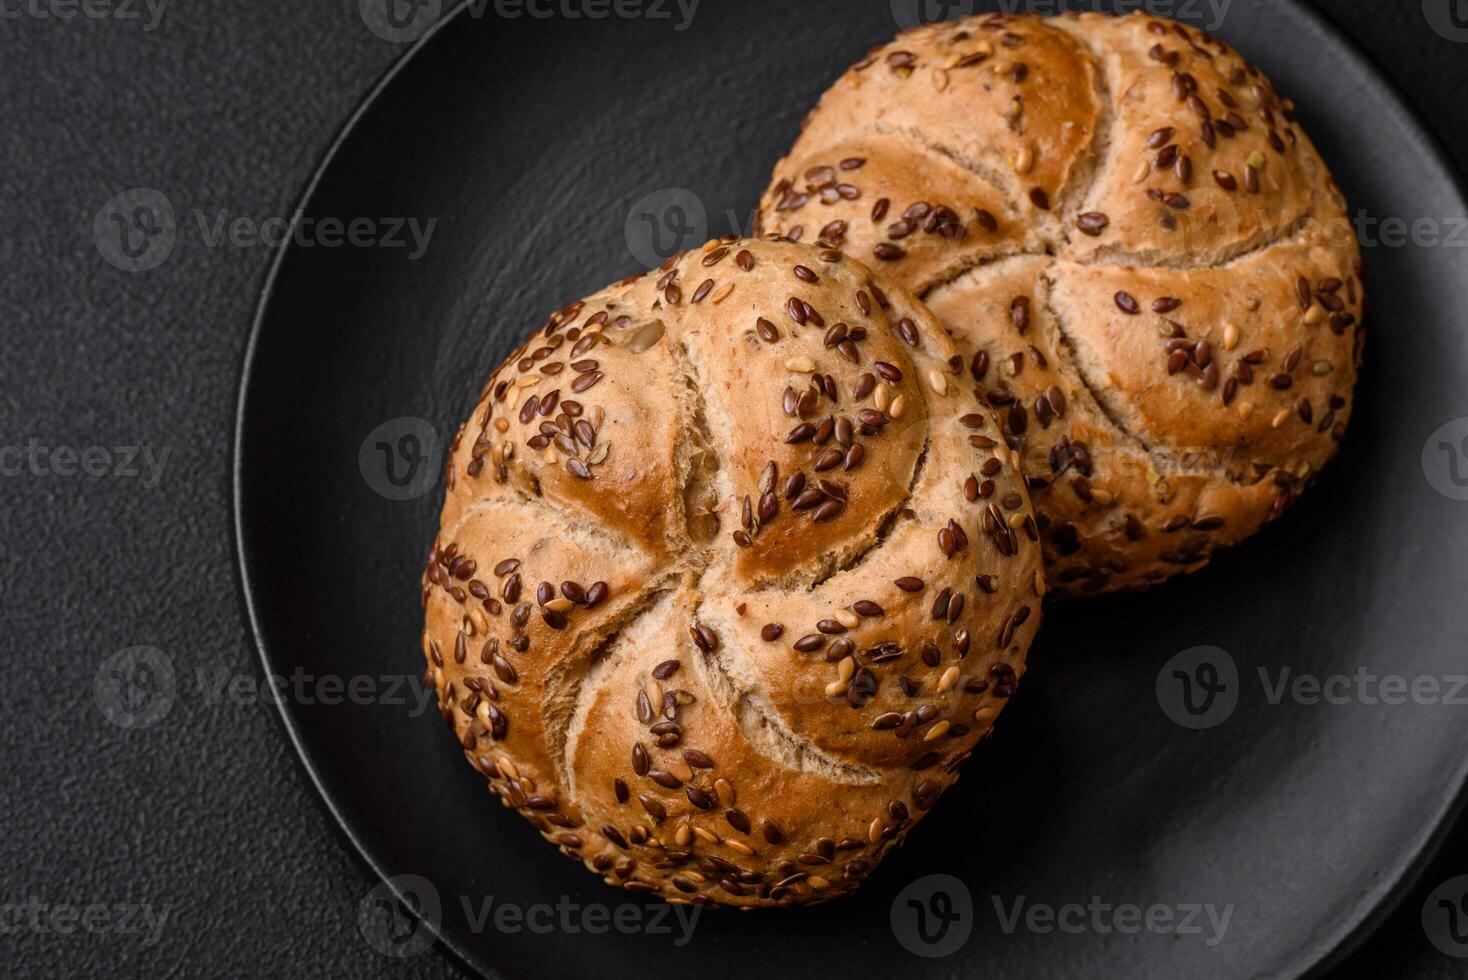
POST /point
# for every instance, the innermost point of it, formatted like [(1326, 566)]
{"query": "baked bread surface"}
[(733, 572), (1145, 263)]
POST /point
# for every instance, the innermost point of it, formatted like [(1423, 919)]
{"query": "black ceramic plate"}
[(530, 141)]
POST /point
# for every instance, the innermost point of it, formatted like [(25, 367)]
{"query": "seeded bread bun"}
[(732, 576), (1145, 263)]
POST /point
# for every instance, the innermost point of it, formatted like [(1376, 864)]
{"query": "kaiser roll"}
[(733, 573), (1144, 261)]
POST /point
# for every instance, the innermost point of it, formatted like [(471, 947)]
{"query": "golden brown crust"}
[(737, 657), (1129, 217)]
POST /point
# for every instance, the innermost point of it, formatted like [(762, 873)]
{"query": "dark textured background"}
[(231, 106)]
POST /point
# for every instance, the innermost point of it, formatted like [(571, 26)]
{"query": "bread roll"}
[(733, 573), (1144, 261)]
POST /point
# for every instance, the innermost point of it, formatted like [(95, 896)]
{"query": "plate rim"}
[(357, 849), (1327, 950)]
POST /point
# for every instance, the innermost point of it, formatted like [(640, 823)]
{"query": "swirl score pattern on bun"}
[(733, 573), (1143, 259)]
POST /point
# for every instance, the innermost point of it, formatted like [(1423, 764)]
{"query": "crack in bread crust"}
[(694, 480), (764, 729), (988, 175), (836, 562), (564, 701), (1070, 366), (1238, 252), (1073, 196), (974, 261), (538, 503), (885, 524)]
